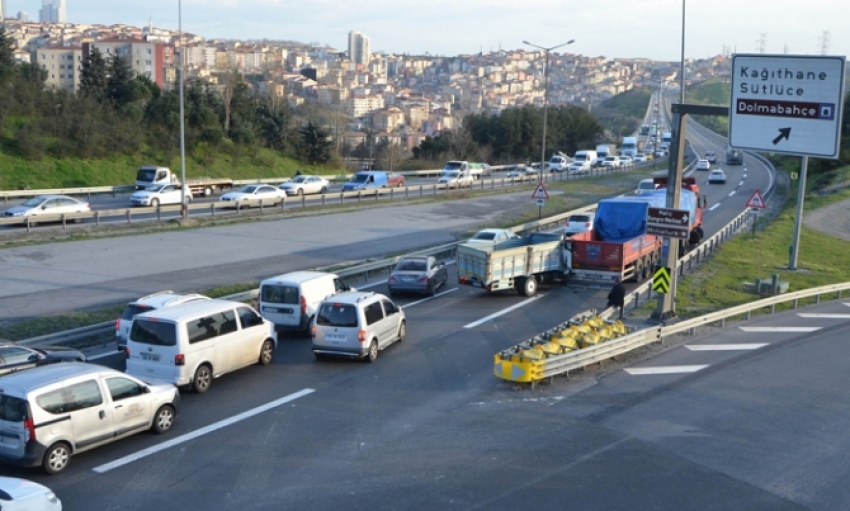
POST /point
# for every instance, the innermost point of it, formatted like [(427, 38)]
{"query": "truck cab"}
[(151, 175)]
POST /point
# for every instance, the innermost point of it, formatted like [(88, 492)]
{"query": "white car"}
[(159, 194), (717, 176), (640, 158), (22, 495), (454, 179), (578, 223), (703, 165), (253, 195), (612, 161), (302, 185), (492, 236), (44, 205), (522, 171), (626, 160)]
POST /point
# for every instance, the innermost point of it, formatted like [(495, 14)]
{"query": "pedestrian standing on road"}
[(617, 296)]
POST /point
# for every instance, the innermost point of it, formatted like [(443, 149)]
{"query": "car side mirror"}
[(146, 390), (44, 207), (442, 263), (32, 358)]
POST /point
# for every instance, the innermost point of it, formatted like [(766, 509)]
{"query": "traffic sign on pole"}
[(670, 222), (661, 280), (789, 104), (540, 192), (541, 203), (756, 201)]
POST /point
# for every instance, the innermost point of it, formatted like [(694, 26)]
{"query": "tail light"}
[(313, 331), (117, 324), (29, 427), (361, 336), (392, 279), (587, 224), (180, 359), (423, 279), (303, 305)]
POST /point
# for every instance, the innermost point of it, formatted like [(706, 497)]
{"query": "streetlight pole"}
[(545, 101), (682, 62), (184, 210)]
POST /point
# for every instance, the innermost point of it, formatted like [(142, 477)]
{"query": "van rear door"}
[(280, 303), (14, 411), (152, 346)]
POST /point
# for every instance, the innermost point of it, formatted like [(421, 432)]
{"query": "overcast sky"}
[(613, 28)]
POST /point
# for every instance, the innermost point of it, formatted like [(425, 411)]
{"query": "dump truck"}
[(618, 246), (520, 264)]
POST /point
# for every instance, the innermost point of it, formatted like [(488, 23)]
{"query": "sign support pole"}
[(666, 302), (798, 224)]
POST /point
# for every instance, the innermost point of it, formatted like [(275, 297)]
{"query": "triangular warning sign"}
[(756, 201), (540, 192)]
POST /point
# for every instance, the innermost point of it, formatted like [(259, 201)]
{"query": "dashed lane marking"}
[(823, 315), (130, 458), (503, 311), (712, 208), (417, 302), (779, 329), (665, 369), (725, 347), (732, 193)]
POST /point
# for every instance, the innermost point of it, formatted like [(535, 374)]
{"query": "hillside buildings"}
[(52, 11)]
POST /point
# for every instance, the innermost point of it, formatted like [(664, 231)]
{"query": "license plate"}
[(335, 337), (277, 309), (150, 356), (407, 279)]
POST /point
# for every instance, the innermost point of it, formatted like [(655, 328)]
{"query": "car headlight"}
[(51, 497)]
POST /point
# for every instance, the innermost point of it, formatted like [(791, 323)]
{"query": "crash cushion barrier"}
[(526, 361)]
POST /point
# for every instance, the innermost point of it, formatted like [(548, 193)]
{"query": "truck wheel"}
[(639, 270), (529, 286), (208, 191)]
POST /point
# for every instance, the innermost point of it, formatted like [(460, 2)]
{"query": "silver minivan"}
[(357, 325), (50, 413), (290, 300), (193, 343)]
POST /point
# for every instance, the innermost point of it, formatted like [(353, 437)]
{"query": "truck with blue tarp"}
[(618, 245), (520, 264)]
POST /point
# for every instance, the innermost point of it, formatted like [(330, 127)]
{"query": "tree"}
[(7, 54), (94, 76), (274, 125), (315, 146), (119, 85)]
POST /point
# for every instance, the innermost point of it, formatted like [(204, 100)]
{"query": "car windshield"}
[(411, 266), (157, 333), (485, 235), (247, 189), (155, 188), (580, 157), (359, 178), (337, 314), (133, 309), (580, 218), (452, 165), (145, 174), (35, 201), (610, 158), (277, 293), (13, 409), (298, 179), (451, 174)]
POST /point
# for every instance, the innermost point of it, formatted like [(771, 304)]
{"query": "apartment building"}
[(358, 48), (63, 65), (145, 59), (388, 119)]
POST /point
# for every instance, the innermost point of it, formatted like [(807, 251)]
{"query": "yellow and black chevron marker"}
[(661, 280)]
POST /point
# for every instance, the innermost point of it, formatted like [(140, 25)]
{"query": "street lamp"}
[(545, 99), (682, 63), (184, 211)]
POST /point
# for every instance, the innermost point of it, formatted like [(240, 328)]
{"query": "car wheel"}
[(372, 355), (324, 190), (266, 353), (202, 380), (57, 458), (163, 420), (155, 203), (529, 287), (432, 288), (299, 192), (402, 331)]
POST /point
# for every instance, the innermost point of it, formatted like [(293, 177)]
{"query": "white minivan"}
[(193, 343), (290, 300)]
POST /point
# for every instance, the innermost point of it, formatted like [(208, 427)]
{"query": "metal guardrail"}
[(405, 192)]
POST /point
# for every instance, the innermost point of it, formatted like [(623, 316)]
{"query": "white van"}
[(193, 343), (49, 413), (290, 300), (582, 162), (646, 186)]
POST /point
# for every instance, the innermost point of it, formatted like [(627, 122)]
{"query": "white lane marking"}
[(847, 304), (823, 315), (103, 355), (732, 193), (779, 329), (417, 302), (503, 311), (740, 183), (200, 432), (665, 369), (712, 208), (726, 347)]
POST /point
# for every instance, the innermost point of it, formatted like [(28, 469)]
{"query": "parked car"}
[(303, 184), (148, 303), (717, 176), (48, 206), (711, 156), (703, 165), (492, 236), (14, 358), (23, 495), (357, 325), (50, 413), (192, 343), (254, 195), (578, 223), (421, 274), (290, 300), (164, 193)]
